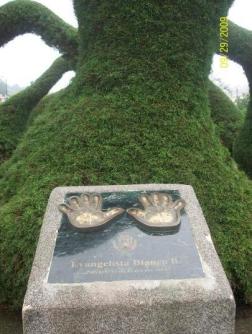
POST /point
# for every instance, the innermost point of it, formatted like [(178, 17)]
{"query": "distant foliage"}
[(9, 89), (3, 87)]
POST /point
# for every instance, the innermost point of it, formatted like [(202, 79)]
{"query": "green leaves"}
[(226, 116)]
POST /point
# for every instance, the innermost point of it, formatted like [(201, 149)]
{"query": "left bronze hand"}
[(85, 211)]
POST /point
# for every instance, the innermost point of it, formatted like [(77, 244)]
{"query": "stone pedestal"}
[(124, 279)]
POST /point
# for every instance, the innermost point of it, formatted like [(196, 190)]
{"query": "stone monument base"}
[(124, 280)]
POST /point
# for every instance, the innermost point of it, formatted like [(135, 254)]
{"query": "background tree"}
[(136, 112), (9, 89)]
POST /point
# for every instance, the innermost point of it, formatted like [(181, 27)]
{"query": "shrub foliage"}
[(226, 116)]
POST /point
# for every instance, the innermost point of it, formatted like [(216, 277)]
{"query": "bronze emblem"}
[(85, 211), (125, 243), (160, 211)]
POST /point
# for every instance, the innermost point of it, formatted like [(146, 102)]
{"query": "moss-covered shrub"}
[(243, 144), (137, 112), (242, 103), (226, 116), (240, 50)]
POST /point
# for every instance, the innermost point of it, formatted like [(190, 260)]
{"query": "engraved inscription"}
[(132, 265)]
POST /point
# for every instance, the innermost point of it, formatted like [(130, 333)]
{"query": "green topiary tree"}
[(226, 116), (136, 112)]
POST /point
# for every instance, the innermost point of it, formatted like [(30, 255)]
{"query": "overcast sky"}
[(25, 58)]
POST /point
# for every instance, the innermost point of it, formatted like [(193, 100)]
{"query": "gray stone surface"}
[(174, 306)]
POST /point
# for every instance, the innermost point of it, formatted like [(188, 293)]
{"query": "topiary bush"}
[(240, 50), (226, 116), (136, 112), (243, 144)]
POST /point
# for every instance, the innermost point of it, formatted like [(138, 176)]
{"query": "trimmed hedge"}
[(226, 116), (137, 112), (243, 144), (240, 50)]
